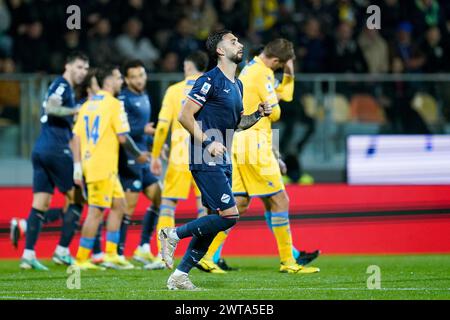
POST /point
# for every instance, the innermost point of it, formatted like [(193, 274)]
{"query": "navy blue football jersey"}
[(138, 109), (220, 100), (56, 132)]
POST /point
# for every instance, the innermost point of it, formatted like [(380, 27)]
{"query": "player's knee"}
[(280, 202), (242, 205), (96, 215), (70, 196), (123, 206)]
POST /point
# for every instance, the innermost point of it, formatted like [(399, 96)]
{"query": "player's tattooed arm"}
[(264, 110), (129, 145), (54, 107), (249, 121)]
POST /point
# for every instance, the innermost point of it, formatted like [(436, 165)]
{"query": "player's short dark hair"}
[(76, 55), (105, 72), (130, 64), (199, 59), (279, 48), (82, 88), (213, 40)]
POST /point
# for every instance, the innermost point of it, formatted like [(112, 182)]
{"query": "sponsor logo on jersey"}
[(225, 198), (199, 98), (205, 88)]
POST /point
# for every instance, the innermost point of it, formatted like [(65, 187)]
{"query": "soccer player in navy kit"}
[(136, 178), (212, 112), (53, 162)]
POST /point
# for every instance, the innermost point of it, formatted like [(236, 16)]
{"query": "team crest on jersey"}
[(225, 198), (137, 184), (205, 88)]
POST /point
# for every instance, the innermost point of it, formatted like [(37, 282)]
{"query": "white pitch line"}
[(30, 298), (237, 290)]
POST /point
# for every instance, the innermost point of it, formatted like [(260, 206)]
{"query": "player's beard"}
[(136, 89), (236, 58)]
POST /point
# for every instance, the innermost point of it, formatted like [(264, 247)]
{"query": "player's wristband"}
[(77, 171), (206, 142)]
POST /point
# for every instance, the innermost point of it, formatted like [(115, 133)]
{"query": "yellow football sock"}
[(111, 247), (166, 220), (83, 253), (282, 232), (217, 242)]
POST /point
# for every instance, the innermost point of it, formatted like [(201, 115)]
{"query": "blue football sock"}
[(149, 224), (34, 224), (126, 220), (207, 225), (218, 254), (268, 217), (70, 224), (195, 252), (98, 240)]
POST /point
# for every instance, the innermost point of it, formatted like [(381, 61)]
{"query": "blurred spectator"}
[(183, 41), (392, 14), (52, 15), (312, 48), (101, 48), (21, 14), (71, 42), (425, 14), (396, 100), (375, 50), (131, 45), (263, 16), (5, 23), (203, 18), (170, 63), (435, 52), (346, 11), (233, 15), (406, 50), (7, 65), (31, 49), (181, 26), (110, 9), (345, 54), (317, 9)]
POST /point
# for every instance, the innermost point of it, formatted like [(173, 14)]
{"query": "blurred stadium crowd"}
[(329, 34)]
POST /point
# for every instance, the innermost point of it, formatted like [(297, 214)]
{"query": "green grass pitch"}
[(341, 277)]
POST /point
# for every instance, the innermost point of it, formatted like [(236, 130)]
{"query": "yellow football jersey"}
[(168, 117), (99, 121), (259, 86)]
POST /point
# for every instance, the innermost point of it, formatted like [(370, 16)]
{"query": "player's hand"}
[(289, 67), (149, 129), (283, 167), (54, 100), (265, 109), (78, 174), (144, 157), (216, 148), (156, 166)]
